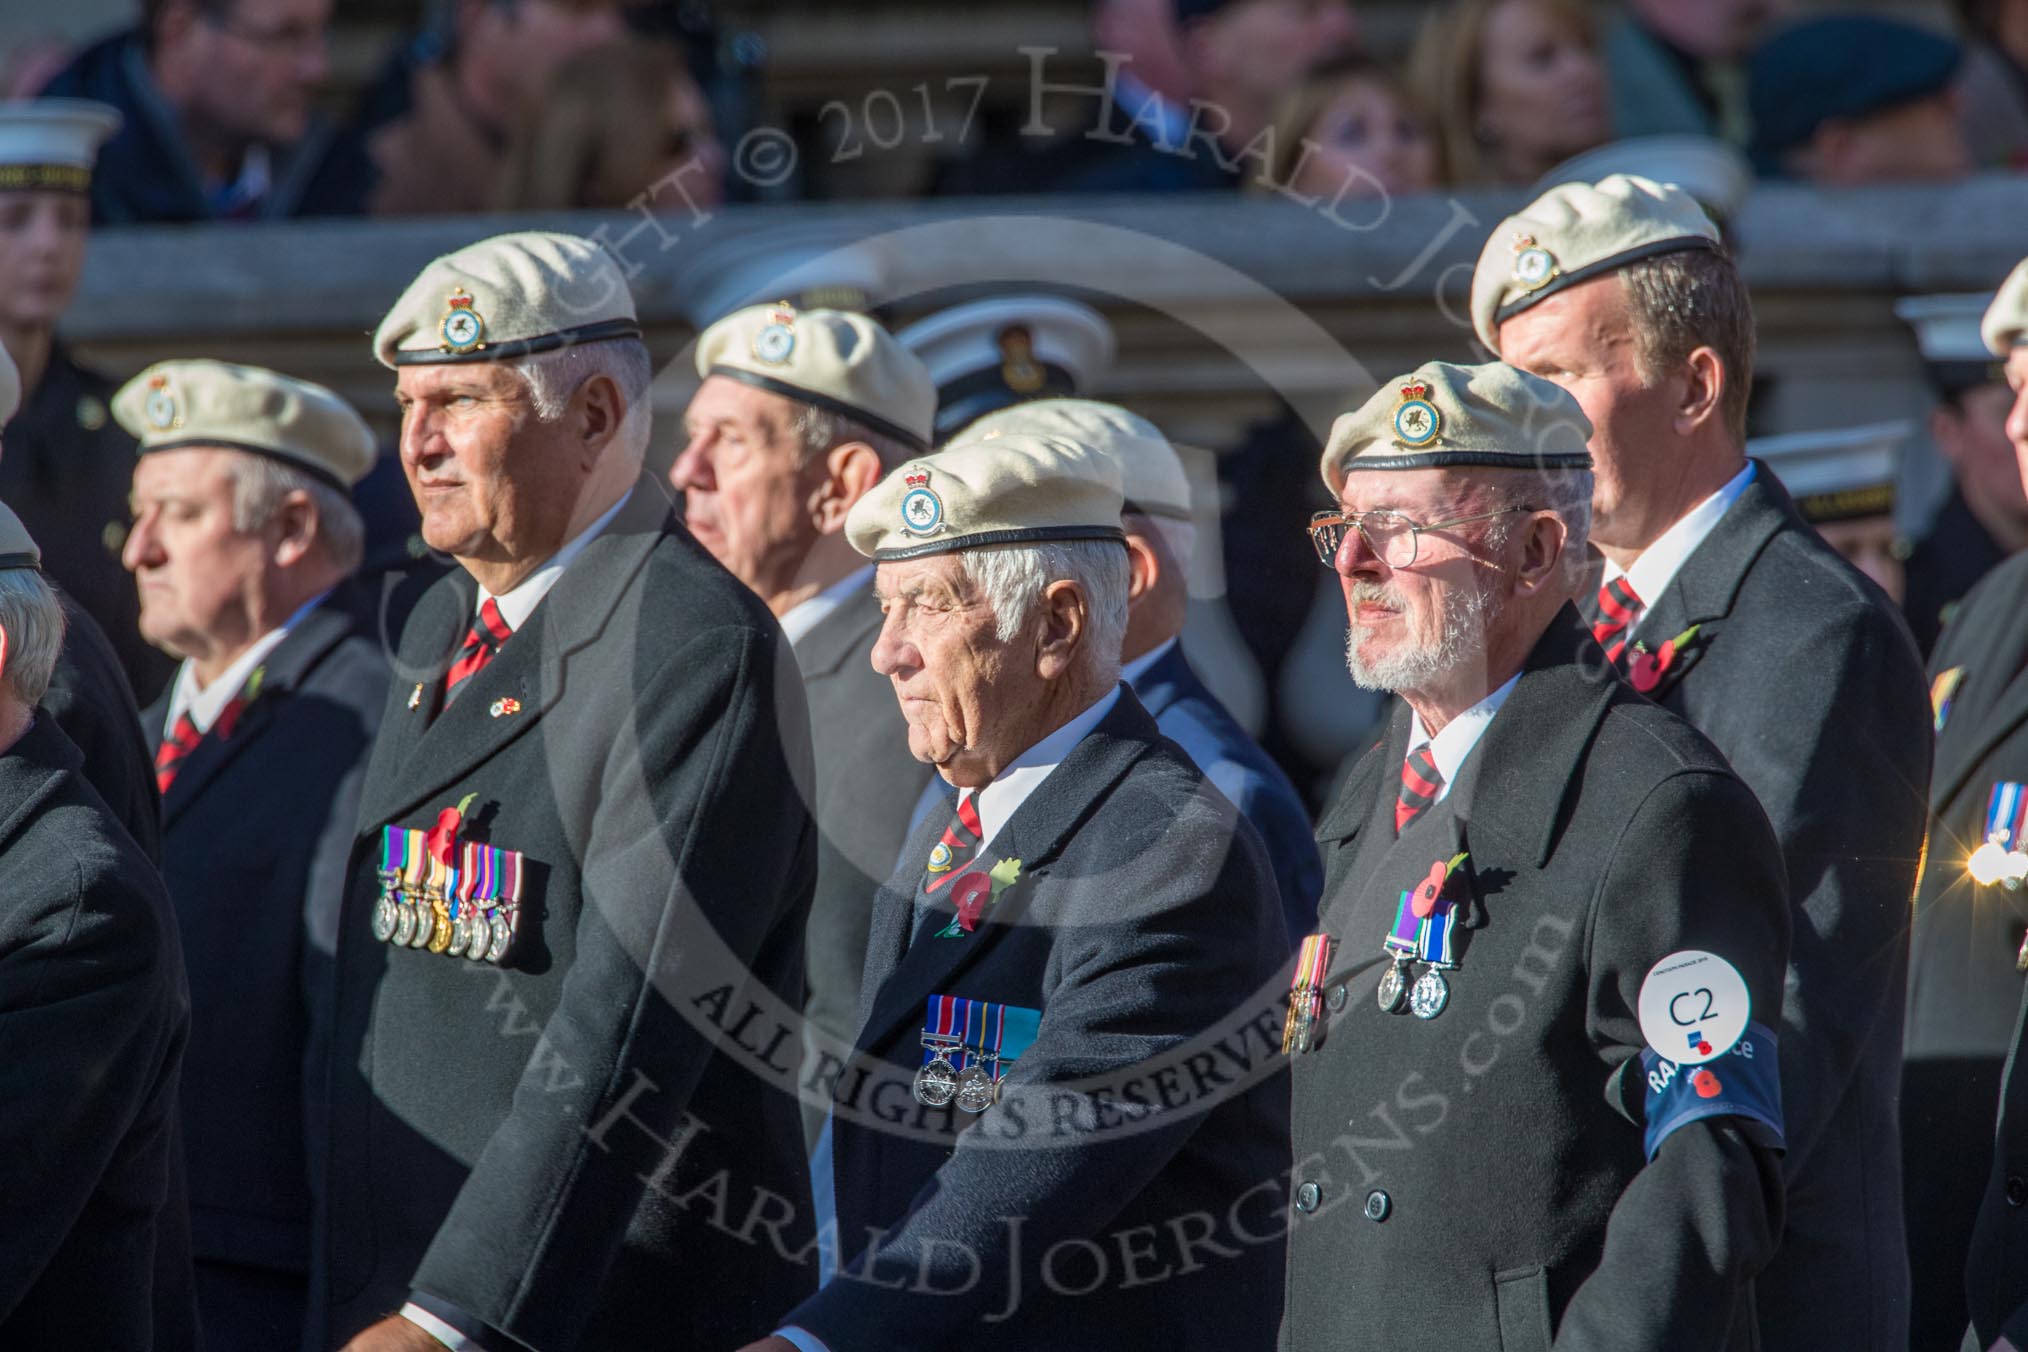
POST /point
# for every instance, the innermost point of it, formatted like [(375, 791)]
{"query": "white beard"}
[(1468, 612)]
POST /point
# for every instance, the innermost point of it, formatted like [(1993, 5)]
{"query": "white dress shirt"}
[(1451, 747), (1659, 563), (807, 615), (204, 704)]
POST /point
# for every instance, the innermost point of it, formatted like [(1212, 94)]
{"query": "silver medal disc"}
[(404, 925), (976, 1090), (1430, 995), (425, 925), (1392, 992), (461, 933), (936, 1083), (502, 936), (385, 914)]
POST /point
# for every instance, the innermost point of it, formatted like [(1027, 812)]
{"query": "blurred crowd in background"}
[(231, 110)]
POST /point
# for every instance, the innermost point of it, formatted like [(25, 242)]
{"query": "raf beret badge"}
[(463, 328), (1416, 420), (160, 405), (922, 511), (777, 340), (1534, 265)]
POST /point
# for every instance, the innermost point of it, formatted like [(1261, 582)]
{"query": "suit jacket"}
[(93, 1018), (1191, 716), (88, 697), (66, 473), (534, 1146), (257, 827), (867, 785), (1493, 1191), (1143, 928), (1803, 674), (1965, 992)]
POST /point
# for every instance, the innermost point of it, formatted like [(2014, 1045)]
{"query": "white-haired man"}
[(570, 956), (1530, 865), (94, 1022), (1054, 950), (243, 541)]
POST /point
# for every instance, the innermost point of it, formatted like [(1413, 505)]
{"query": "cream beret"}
[(832, 359), (2005, 326), (1442, 416), (17, 547), (506, 297), (179, 405), (1577, 231), (10, 387), (1151, 473), (1010, 490)]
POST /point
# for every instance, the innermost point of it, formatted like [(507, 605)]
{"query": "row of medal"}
[(967, 1047), (1429, 939), (467, 909)]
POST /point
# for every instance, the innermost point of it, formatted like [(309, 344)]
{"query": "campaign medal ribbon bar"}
[(967, 1047), (469, 907), (1430, 939), (1306, 993)]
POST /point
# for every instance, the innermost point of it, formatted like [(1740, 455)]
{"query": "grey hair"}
[(260, 484), (1013, 578), (819, 429), (1564, 493), (1695, 298), (33, 620), (553, 377)]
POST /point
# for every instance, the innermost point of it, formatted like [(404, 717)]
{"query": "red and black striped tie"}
[(181, 741), (1618, 607), (1420, 785), (489, 631), (956, 847)]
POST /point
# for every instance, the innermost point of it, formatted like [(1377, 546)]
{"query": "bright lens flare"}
[(1989, 864)]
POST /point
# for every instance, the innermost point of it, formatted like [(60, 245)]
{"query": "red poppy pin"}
[(1706, 1084), (441, 840), (1646, 669), (1430, 889), (973, 892)]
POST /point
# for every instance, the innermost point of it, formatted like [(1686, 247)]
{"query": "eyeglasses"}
[(1393, 538), (291, 39)]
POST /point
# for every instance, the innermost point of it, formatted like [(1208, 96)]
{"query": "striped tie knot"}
[(1619, 605), (956, 847), (488, 632), (181, 741), (1420, 785)]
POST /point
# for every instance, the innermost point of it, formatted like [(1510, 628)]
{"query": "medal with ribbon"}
[(967, 1047), (395, 843), (2001, 858), (1424, 930), (1306, 992)]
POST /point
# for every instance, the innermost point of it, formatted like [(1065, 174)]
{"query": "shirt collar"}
[(1011, 787), (1133, 671), (518, 602), (1451, 747), (206, 704), (807, 615), (1659, 563)]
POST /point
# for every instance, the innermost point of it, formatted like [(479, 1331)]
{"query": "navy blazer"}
[(1190, 715), (1143, 928)]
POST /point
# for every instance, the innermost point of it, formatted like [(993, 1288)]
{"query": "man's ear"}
[(600, 410), (1947, 432), (1704, 387), (1144, 568), (295, 524), (1542, 545), (1066, 624), (851, 469)]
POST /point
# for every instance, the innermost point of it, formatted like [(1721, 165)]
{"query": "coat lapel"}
[(1966, 739), (1036, 835), (531, 667), (281, 672)]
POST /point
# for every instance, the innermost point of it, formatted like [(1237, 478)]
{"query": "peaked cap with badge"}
[(181, 405), (1443, 416), (1838, 474), (509, 296), (50, 145), (836, 360), (1578, 231), (987, 354), (1151, 473), (1010, 490)]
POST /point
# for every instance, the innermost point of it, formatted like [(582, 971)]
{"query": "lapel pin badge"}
[(503, 707), (415, 696)]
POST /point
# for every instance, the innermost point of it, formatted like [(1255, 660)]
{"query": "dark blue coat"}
[(1191, 716)]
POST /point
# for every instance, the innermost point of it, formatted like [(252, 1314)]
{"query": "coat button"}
[(1378, 1205), (2017, 1190), (1308, 1196), (1335, 997)]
